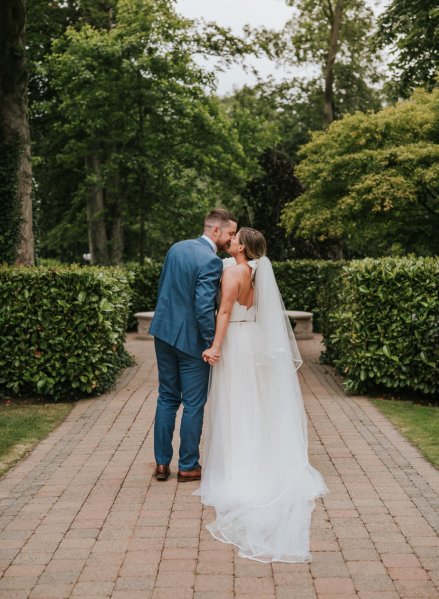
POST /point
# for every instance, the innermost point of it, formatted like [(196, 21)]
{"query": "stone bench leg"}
[(143, 322), (303, 329)]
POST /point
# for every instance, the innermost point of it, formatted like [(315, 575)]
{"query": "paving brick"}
[(137, 583), (407, 573), (172, 593), (24, 570), (213, 582), (214, 595), (254, 586), (334, 586), (46, 591), (415, 589), (379, 595), (179, 554), (400, 560), (254, 569), (90, 589), (144, 594), (178, 565), (16, 594), (327, 564), (175, 579), (293, 579), (17, 582), (295, 593)]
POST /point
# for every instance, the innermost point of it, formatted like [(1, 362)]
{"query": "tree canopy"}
[(372, 181), (410, 31), (335, 37), (131, 144), (133, 116)]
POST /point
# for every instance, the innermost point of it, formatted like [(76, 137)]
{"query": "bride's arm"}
[(229, 293)]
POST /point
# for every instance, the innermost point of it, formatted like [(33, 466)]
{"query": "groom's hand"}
[(211, 355)]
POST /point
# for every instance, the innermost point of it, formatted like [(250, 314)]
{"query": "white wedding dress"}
[(256, 472)]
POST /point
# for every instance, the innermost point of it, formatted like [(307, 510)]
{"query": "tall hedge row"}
[(381, 327), (62, 329), (302, 284), (145, 281)]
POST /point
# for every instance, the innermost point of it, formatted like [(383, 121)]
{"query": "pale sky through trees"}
[(236, 13)]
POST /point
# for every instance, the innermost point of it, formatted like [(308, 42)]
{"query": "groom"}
[(183, 327)]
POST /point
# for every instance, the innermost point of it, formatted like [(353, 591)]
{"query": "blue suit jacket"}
[(185, 312)]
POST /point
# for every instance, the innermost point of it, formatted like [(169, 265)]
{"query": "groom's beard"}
[(223, 247)]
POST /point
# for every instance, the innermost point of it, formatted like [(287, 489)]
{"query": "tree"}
[(335, 38), (132, 117), (265, 197), (409, 29), (372, 181), (16, 232)]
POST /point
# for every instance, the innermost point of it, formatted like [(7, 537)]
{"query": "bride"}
[(256, 471)]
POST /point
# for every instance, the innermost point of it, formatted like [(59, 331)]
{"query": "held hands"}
[(211, 355)]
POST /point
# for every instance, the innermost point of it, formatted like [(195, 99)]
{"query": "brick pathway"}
[(82, 516)]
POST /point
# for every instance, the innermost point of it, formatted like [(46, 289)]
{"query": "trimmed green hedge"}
[(62, 329), (145, 282), (382, 325), (302, 284)]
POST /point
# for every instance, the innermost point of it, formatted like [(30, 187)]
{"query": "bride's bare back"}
[(237, 286)]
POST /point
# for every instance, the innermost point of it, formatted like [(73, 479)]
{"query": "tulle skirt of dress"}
[(256, 472)]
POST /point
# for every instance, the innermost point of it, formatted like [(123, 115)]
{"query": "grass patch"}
[(22, 425), (419, 423)]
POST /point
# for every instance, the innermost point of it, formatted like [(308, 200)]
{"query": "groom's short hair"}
[(219, 217)]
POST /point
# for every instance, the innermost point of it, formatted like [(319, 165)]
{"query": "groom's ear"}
[(216, 231)]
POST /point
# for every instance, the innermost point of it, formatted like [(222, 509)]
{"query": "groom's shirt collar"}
[(212, 243)]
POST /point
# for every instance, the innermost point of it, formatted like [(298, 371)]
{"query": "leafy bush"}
[(304, 284), (382, 329), (145, 281), (62, 329)]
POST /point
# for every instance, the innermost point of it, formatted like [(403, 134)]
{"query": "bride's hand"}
[(211, 355)]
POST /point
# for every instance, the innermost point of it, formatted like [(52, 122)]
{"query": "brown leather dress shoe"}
[(162, 472), (186, 476)]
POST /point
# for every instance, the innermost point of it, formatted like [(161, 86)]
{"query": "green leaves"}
[(131, 120), (371, 181), (67, 341), (408, 29), (381, 325)]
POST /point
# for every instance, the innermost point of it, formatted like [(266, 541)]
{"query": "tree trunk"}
[(14, 115), (97, 234), (117, 241), (335, 21), (142, 217), (118, 197), (142, 233)]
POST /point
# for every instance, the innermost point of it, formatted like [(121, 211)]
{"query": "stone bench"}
[(143, 322), (302, 321)]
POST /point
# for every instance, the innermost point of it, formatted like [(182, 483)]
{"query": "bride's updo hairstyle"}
[(253, 242)]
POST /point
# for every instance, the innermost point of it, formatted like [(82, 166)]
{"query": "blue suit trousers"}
[(183, 379)]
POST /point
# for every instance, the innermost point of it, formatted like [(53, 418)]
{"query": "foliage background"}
[(382, 325), (62, 330)]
